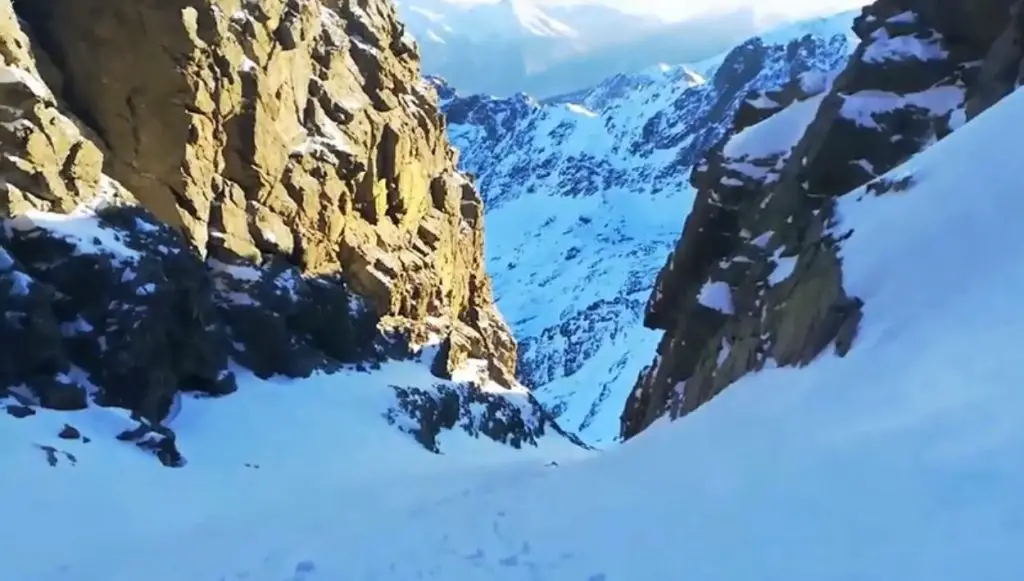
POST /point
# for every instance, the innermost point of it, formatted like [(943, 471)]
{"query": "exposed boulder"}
[(132, 305), (427, 412), (756, 278)]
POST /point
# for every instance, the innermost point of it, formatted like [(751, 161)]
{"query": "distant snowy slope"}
[(508, 46), (586, 195), (899, 461), (484, 22)]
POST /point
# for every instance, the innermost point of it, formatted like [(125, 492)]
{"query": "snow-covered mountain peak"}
[(660, 79), (821, 26), (692, 76), (507, 46), (665, 69), (531, 19), (440, 21)]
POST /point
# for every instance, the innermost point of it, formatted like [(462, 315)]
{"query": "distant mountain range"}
[(511, 46), (584, 194)]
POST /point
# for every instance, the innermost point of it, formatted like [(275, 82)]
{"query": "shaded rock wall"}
[(756, 278)]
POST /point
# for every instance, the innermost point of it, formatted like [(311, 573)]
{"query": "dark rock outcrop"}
[(426, 412), (756, 278)]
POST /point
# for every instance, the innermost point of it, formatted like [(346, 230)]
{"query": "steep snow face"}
[(902, 457), (586, 195)]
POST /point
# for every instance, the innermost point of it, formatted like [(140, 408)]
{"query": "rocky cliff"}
[(583, 195), (756, 279), (191, 183)]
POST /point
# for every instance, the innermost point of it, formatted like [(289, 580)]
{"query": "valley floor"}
[(901, 461)]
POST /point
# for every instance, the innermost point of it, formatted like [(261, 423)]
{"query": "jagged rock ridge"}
[(756, 278), (583, 195), (189, 183)]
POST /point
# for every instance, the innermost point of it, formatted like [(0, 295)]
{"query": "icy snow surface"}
[(587, 194), (901, 461), (777, 136)]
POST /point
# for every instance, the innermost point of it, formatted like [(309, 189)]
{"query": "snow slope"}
[(412, 398), (900, 461), (586, 195)]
